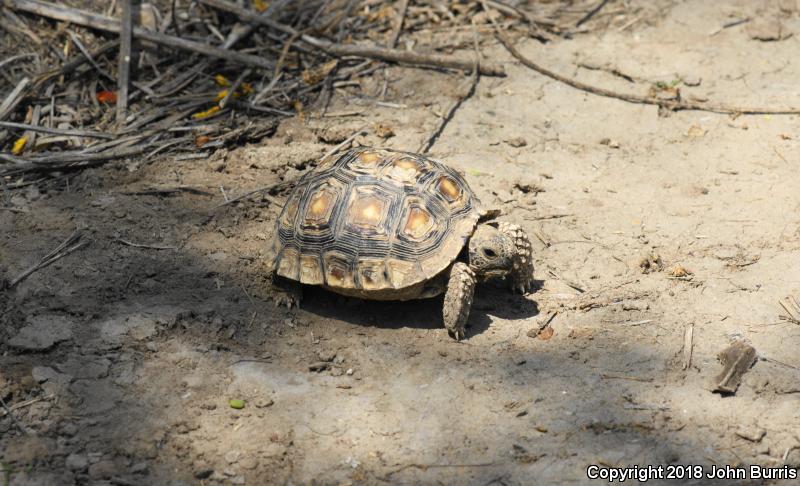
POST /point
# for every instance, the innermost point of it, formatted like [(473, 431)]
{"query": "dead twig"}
[(71, 244), (109, 24), (792, 308), (125, 52), (425, 147), (688, 344), (345, 143), (8, 412), (354, 50), (401, 17), (591, 13), (167, 191), (668, 104), (262, 191), (607, 376), (57, 131), (65, 160), (141, 245), (24, 404), (13, 98)]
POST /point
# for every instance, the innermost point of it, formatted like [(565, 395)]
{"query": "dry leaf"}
[(221, 95), (206, 114), (19, 145), (383, 131), (546, 333), (260, 5), (319, 73), (221, 80), (679, 271), (695, 131), (201, 140), (107, 97)]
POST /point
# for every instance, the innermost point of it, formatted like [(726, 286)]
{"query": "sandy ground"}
[(135, 352)]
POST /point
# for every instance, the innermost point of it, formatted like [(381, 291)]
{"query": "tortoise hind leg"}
[(521, 276), (458, 299), (286, 292)]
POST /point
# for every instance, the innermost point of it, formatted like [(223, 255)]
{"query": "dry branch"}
[(57, 131), (671, 104), (125, 52), (345, 50), (13, 98), (108, 24), (71, 244)]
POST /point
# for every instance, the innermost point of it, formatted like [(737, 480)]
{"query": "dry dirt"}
[(135, 352)]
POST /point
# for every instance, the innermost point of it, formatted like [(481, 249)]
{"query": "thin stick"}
[(125, 49), (674, 105), (57, 131), (108, 24), (140, 245), (13, 417), (591, 13), (272, 200), (473, 83), (73, 64), (24, 404), (232, 88), (88, 56), (60, 252), (687, 346), (68, 159), (345, 143), (401, 17), (13, 98), (344, 50)]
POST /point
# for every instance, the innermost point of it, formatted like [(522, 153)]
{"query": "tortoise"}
[(388, 225)]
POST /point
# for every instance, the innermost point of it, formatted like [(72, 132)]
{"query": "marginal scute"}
[(288, 264), (290, 211), (310, 270), (338, 272), (372, 274), (400, 272)]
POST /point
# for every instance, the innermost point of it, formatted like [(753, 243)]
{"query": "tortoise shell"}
[(372, 220)]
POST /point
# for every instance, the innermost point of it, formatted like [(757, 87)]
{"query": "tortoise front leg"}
[(521, 276), (286, 292), (458, 299)]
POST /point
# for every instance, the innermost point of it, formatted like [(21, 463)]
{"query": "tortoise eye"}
[(489, 252)]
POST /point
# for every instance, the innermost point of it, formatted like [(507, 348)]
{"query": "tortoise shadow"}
[(490, 301)]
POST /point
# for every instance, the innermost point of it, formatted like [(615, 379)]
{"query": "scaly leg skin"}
[(286, 292), (521, 276), (458, 299)]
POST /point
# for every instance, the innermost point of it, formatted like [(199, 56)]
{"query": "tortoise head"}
[(491, 253)]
